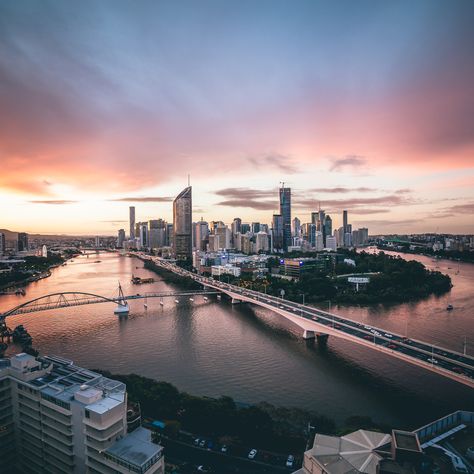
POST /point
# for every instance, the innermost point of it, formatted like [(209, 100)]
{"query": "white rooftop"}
[(353, 453)]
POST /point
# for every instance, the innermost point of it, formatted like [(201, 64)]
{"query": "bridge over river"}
[(316, 323)]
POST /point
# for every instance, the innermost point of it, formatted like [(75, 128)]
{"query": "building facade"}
[(60, 418), (182, 225), (285, 212), (132, 222)]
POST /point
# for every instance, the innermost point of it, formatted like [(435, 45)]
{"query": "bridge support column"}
[(308, 334), (236, 301), (323, 339)]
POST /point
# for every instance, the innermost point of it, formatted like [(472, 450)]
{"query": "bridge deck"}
[(457, 366)]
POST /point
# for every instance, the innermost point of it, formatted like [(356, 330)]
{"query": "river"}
[(214, 348)]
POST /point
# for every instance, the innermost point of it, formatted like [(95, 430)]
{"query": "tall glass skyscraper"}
[(183, 225), (285, 212), (132, 222)]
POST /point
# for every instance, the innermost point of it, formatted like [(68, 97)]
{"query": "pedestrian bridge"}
[(76, 298), (319, 324)]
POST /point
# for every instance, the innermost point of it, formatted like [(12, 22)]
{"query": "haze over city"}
[(366, 107)]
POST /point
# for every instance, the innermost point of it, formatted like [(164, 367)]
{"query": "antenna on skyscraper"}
[(282, 184), (189, 180)]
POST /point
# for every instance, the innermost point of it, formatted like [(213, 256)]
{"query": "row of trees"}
[(262, 426), (32, 265), (393, 280)]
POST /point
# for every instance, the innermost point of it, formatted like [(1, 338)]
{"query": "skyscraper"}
[(277, 231), (121, 238), (285, 211), (344, 221), (182, 225), (327, 228), (132, 222), (2, 243), (22, 241), (296, 227)]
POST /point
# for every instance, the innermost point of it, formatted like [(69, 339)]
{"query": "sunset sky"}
[(360, 105)]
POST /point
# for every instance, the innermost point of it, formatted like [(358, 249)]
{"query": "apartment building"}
[(56, 417)]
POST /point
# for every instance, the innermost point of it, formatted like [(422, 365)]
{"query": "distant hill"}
[(12, 235)]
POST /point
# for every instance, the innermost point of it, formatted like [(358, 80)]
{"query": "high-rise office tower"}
[(132, 222), (202, 234), (344, 221), (285, 212), (261, 242), (327, 228), (58, 417), (22, 241), (121, 238), (3, 243), (182, 225), (244, 228), (296, 227), (255, 227), (314, 217), (157, 233), (169, 235), (277, 232), (144, 237), (236, 225)]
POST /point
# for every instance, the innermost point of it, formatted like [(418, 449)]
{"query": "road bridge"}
[(316, 323)]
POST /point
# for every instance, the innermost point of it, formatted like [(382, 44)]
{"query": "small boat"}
[(450, 307), (219, 297), (176, 300), (161, 302), (145, 305), (191, 299), (206, 298)]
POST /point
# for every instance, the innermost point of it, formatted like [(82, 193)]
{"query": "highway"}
[(440, 359)]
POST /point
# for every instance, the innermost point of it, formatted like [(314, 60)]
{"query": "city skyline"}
[(366, 108)]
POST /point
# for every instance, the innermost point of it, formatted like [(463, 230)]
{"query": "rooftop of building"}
[(136, 448), (63, 379), (357, 452)]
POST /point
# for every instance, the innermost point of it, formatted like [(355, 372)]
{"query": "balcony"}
[(56, 415), (102, 435), (59, 427), (58, 436), (60, 457), (58, 445), (25, 410)]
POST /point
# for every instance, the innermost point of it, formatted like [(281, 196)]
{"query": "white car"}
[(252, 454), (432, 361), (290, 461)]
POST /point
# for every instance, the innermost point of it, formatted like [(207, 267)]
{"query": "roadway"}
[(450, 363)]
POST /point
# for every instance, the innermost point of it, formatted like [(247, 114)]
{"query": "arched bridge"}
[(321, 324), (76, 298)]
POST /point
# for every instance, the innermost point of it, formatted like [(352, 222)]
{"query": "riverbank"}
[(261, 426), (465, 256), (390, 280), (31, 270)]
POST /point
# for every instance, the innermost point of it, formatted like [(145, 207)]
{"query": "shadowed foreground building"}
[(364, 451), (56, 417)]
